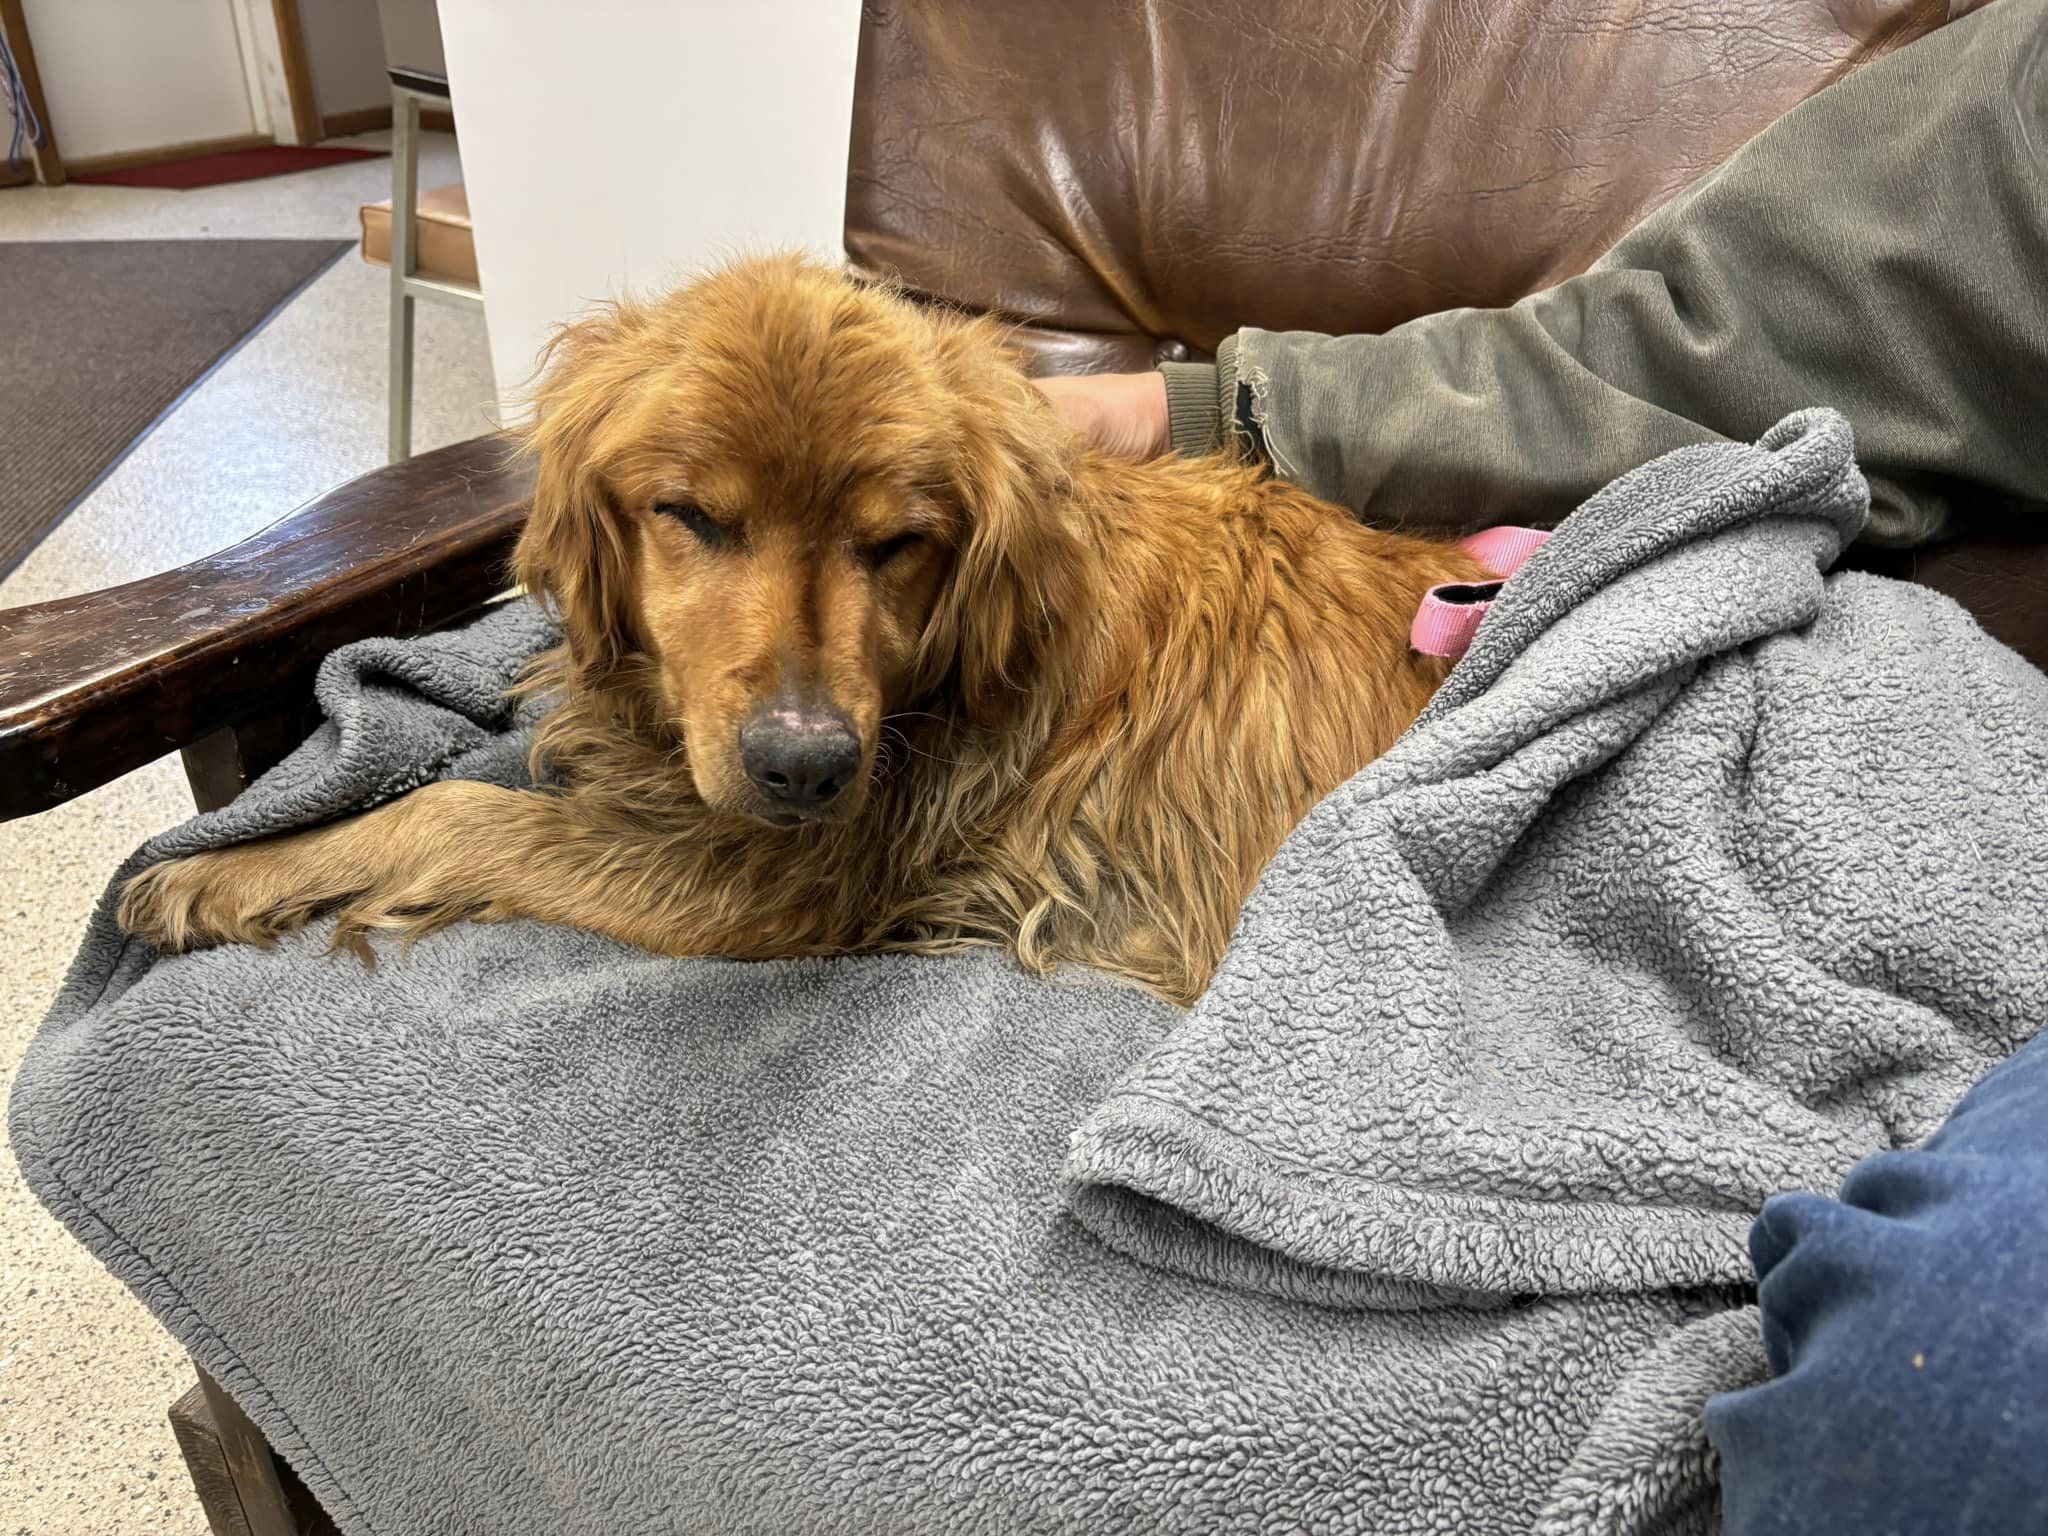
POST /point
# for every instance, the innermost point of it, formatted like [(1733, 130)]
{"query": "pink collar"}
[(1451, 615)]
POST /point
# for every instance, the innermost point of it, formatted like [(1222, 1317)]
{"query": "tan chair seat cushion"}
[(447, 242)]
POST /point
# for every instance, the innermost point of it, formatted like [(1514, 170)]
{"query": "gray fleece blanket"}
[(1703, 877)]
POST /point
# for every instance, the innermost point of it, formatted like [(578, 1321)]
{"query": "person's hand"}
[(1119, 413)]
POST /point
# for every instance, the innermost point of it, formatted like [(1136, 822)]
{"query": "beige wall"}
[(345, 51), (412, 34), (138, 74), (127, 75)]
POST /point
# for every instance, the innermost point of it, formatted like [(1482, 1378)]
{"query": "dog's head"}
[(793, 504)]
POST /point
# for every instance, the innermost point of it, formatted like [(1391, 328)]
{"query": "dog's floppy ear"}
[(1018, 567), (570, 555)]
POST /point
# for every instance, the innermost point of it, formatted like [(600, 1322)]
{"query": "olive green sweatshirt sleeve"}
[(1883, 248), (1201, 401), (1194, 410)]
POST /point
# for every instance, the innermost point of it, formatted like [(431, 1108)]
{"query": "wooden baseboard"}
[(336, 125), (16, 173), (129, 159)]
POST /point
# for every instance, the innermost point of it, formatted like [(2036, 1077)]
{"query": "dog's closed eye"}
[(879, 555), (709, 531)]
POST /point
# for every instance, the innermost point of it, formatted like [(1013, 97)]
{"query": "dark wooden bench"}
[(215, 660)]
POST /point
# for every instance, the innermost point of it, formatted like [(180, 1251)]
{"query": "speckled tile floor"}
[(85, 1373)]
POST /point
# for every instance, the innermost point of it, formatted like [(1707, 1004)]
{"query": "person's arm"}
[(1883, 249)]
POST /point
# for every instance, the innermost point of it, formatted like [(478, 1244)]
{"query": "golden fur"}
[(1091, 695)]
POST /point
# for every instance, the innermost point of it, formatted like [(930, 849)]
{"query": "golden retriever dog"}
[(863, 649)]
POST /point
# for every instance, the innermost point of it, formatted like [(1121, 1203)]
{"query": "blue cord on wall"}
[(28, 128)]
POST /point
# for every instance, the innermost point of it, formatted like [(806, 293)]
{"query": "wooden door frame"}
[(298, 72), (48, 163)]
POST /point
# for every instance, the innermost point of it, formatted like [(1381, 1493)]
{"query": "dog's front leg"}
[(446, 852)]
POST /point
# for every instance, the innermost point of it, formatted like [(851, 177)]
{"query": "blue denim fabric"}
[(1907, 1327)]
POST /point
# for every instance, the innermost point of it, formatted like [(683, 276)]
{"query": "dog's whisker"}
[(889, 731), (949, 762), (885, 760)]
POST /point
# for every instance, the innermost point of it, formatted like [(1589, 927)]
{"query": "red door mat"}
[(235, 165)]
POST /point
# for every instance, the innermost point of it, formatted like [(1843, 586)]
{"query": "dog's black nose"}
[(798, 757)]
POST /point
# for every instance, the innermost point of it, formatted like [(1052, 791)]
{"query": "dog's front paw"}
[(227, 897)]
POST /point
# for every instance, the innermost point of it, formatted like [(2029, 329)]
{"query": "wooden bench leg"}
[(241, 1484)]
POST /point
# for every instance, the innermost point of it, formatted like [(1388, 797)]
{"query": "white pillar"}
[(616, 145)]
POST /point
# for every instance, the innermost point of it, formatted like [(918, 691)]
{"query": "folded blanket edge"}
[(1164, 1187)]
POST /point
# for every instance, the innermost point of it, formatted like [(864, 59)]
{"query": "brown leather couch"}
[(1172, 172), (1136, 181), (1129, 182)]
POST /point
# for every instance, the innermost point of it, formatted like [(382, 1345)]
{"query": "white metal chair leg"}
[(405, 195)]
